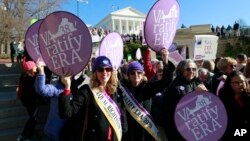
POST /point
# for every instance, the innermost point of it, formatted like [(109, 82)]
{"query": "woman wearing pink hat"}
[(29, 98)]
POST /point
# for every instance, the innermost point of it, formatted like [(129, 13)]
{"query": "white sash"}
[(139, 113), (110, 110)]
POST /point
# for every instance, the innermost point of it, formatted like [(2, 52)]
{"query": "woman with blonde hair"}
[(226, 65), (96, 112), (246, 71)]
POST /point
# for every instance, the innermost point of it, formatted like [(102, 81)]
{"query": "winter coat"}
[(54, 123), (179, 87), (97, 124), (143, 94)]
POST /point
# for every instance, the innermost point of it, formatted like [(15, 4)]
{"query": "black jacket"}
[(143, 94), (179, 87), (97, 127), (238, 117)]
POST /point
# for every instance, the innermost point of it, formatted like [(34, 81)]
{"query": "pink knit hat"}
[(28, 65)]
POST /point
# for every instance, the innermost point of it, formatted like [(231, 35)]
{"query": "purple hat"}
[(135, 65), (101, 61)]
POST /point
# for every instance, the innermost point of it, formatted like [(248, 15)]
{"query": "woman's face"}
[(189, 71), (238, 83), (103, 75), (230, 67), (135, 77)]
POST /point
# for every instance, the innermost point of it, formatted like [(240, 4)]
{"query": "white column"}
[(140, 26), (113, 25), (133, 27), (120, 26), (127, 29)]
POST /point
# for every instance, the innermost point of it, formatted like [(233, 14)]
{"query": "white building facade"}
[(124, 21)]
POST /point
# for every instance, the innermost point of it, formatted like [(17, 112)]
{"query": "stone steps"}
[(14, 117), (13, 114)]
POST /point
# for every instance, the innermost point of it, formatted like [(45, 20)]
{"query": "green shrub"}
[(4, 56)]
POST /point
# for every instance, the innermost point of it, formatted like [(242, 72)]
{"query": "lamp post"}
[(77, 2)]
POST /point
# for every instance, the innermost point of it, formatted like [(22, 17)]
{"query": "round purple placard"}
[(201, 117), (161, 24), (112, 47), (31, 41), (65, 43)]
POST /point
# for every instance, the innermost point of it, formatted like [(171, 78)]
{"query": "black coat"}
[(171, 98), (238, 117), (215, 82), (98, 125), (143, 94), (29, 96)]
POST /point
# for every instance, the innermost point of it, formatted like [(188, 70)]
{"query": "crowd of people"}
[(230, 31), (16, 51), (98, 33), (96, 106)]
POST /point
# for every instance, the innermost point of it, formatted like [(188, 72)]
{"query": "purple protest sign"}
[(220, 86), (175, 57), (172, 47), (183, 52), (31, 41), (138, 54), (201, 116), (161, 24), (65, 43), (112, 47)]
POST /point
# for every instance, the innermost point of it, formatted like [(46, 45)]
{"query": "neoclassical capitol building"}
[(130, 21), (124, 21)]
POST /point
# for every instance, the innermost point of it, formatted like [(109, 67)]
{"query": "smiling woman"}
[(97, 108), (236, 98), (186, 81)]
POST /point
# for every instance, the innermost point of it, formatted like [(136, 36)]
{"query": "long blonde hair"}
[(111, 86)]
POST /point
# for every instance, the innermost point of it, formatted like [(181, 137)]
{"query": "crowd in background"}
[(16, 51), (227, 32), (157, 85)]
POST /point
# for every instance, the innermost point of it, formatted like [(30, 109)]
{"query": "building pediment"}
[(128, 12)]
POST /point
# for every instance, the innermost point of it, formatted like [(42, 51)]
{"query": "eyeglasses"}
[(159, 70), (135, 72), (190, 69), (102, 69), (237, 83)]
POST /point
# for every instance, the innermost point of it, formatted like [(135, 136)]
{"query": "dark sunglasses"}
[(106, 69), (134, 72), (238, 82), (190, 69)]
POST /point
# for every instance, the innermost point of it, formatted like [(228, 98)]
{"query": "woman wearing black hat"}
[(96, 112)]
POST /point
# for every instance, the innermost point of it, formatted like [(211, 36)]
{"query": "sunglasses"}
[(104, 69), (190, 69), (237, 83), (134, 72)]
